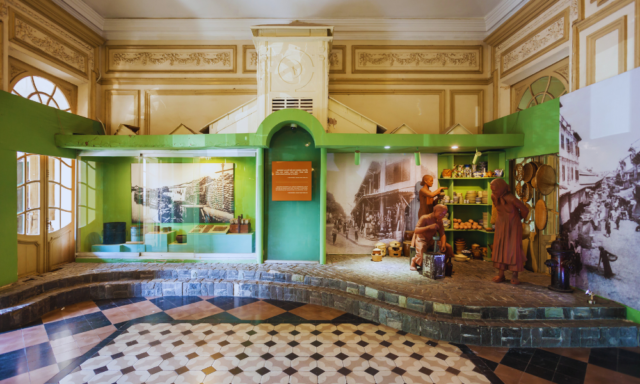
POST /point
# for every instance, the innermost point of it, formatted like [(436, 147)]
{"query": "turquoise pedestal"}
[(159, 242), (118, 248)]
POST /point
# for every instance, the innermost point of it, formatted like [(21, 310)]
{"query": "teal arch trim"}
[(275, 121)]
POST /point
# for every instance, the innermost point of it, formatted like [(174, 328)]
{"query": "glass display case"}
[(177, 205)]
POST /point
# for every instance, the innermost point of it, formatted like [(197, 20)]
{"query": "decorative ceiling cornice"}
[(65, 20), (519, 20), (345, 29)]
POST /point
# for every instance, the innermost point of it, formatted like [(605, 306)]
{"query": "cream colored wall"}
[(602, 41), (398, 95), (606, 41)]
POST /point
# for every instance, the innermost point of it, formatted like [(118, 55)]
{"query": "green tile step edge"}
[(13, 296), (497, 333)]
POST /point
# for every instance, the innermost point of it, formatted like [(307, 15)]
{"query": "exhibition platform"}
[(467, 308)]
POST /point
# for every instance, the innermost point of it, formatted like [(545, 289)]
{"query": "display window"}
[(160, 205)]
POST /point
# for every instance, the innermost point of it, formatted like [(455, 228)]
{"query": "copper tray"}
[(541, 215), (546, 179), (529, 171), (518, 172)]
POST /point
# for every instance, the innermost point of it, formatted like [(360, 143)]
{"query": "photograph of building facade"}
[(152, 151)]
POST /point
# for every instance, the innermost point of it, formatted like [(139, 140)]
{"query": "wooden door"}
[(60, 209), (30, 220)]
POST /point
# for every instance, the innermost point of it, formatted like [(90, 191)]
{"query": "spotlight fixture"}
[(356, 159), (386, 147), (417, 156), (294, 127), (306, 145), (454, 147)]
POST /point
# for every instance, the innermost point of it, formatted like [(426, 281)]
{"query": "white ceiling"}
[(353, 19), (296, 9)]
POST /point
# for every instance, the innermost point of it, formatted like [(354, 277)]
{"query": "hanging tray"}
[(546, 179), (541, 215), (530, 214), (518, 172), (529, 171), (527, 192)]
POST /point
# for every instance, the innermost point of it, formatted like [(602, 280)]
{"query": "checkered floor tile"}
[(245, 340), (561, 365)]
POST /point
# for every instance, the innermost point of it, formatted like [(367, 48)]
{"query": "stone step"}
[(605, 309), (487, 332)]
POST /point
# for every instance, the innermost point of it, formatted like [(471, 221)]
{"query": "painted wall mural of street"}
[(182, 192), (599, 181), (374, 201)]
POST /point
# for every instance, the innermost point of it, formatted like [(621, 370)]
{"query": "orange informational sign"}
[(291, 181)]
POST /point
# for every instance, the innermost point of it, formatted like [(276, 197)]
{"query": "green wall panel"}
[(8, 217), (32, 127), (113, 195), (540, 126), (293, 227)]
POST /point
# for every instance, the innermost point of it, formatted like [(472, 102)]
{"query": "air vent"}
[(304, 104)]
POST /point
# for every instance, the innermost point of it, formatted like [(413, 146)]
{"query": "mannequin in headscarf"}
[(507, 241)]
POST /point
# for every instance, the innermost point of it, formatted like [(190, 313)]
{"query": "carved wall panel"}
[(166, 109), (121, 107), (177, 59), (249, 59), (338, 59), (31, 35), (542, 40), (416, 59), (467, 108), (607, 51), (421, 109)]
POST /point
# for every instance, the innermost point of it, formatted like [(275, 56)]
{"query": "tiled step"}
[(605, 309), (487, 332)]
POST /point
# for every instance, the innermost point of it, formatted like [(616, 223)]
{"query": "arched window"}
[(543, 89), (43, 91), (548, 84)]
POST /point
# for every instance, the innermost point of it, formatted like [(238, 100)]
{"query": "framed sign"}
[(291, 181)]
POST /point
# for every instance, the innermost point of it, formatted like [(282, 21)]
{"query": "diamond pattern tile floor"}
[(245, 340)]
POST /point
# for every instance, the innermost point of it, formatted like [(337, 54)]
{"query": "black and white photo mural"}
[(599, 177), (182, 192), (374, 201)]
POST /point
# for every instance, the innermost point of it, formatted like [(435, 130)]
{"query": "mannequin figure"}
[(426, 228), (427, 196), (507, 241)]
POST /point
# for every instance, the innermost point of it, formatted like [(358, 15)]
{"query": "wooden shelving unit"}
[(495, 160)]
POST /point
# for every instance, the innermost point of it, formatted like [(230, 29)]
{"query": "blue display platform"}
[(196, 243)]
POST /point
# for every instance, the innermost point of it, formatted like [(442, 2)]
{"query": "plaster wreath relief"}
[(536, 43), (430, 59), (146, 58), (254, 59), (334, 60), (56, 49), (4, 9)]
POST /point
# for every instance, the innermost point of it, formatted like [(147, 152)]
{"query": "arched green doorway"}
[(294, 230)]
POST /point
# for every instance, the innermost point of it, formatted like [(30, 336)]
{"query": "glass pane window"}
[(21, 171), (54, 220), (54, 195), (66, 177), (20, 224), (66, 199), (33, 195), (33, 223), (33, 168), (541, 90), (42, 91), (21, 199)]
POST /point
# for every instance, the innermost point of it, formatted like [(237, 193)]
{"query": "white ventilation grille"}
[(304, 104)]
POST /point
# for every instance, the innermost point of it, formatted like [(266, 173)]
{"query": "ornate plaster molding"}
[(28, 34), (551, 34), (338, 59), (416, 59), (181, 59)]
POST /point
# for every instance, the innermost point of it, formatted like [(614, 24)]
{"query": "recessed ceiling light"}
[(454, 147), (386, 147)]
